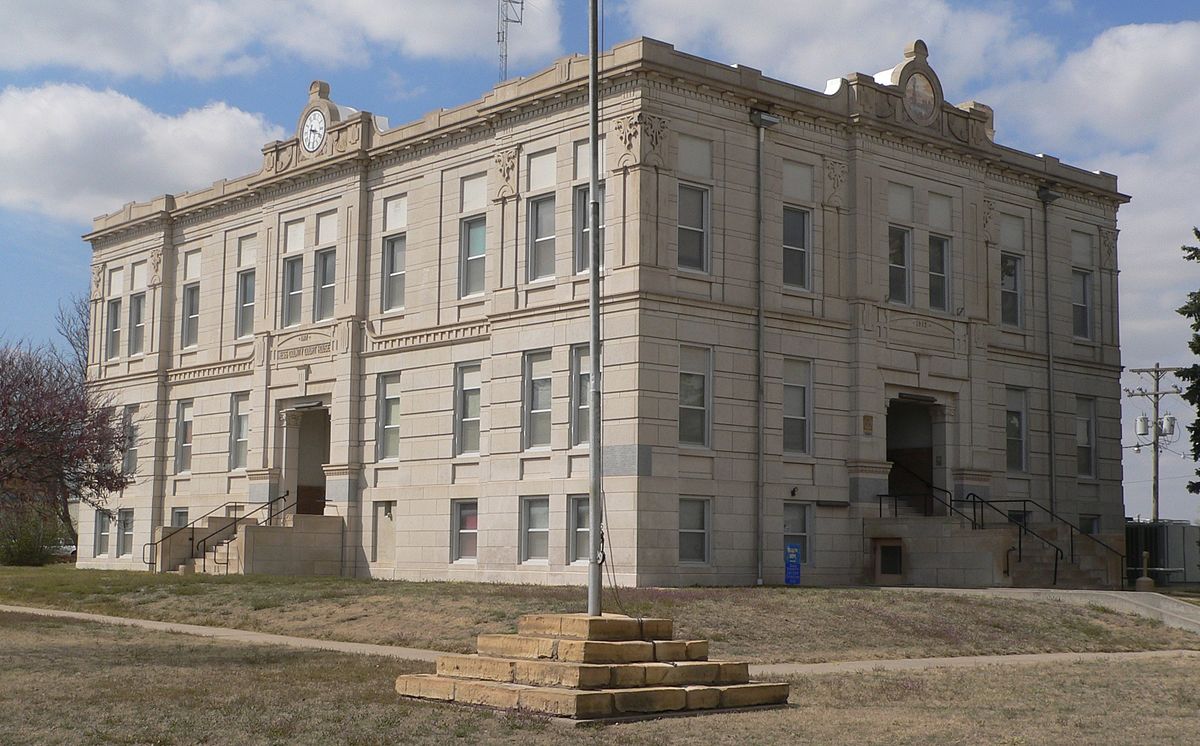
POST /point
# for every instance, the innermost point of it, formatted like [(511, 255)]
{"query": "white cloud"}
[(206, 38), (811, 42), (72, 152)]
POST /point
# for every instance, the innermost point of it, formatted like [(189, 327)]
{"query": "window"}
[(899, 246), (1081, 303), (190, 333), (179, 517), (1085, 437), (796, 519), (538, 392), (1089, 524), (100, 546), (293, 290), (244, 318), (129, 427), (796, 378), (465, 539), (541, 238), (183, 437), (693, 529), (1014, 426), (579, 541), (535, 531), (1019, 517), (114, 329), (137, 323), (693, 228), (468, 408), (795, 247), (323, 280), (583, 237), (239, 429), (1011, 300), (393, 272), (389, 416), (693, 395), (474, 235), (939, 273), (124, 532), (581, 394)]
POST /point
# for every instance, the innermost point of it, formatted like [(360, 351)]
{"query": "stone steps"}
[(590, 703), (592, 667)]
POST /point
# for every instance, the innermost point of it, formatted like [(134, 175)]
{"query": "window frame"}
[(582, 255), (243, 322), (137, 324), (390, 273), (906, 268), (944, 275), (808, 511), (1085, 467), (535, 243), (184, 437), (465, 258), (293, 292), (456, 531), (189, 330), (113, 335), (129, 430), (1017, 292), (574, 530), (383, 423), (527, 399), (1085, 306), (706, 502), (239, 425), (324, 285), (806, 417), (460, 408), (175, 513), (704, 229), (125, 532), (1023, 439), (804, 251), (101, 534), (580, 395), (707, 408), (526, 528)]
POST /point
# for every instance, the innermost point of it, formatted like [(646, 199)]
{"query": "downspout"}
[(1047, 195), (761, 120)]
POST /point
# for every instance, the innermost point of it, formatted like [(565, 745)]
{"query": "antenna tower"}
[(507, 11)]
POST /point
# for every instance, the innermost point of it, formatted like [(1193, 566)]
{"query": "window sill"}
[(694, 447), (696, 274), (799, 458), (795, 290), (535, 563), (465, 561)]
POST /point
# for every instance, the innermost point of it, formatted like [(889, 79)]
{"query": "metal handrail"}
[(949, 503), (238, 519), (153, 545), (1022, 529), (897, 495)]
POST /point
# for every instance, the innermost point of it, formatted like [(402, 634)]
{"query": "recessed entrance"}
[(313, 447), (910, 448)]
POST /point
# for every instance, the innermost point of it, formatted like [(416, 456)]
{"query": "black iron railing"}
[(269, 506), (150, 550)]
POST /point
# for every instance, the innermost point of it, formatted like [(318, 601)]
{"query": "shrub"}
[(28, 536)]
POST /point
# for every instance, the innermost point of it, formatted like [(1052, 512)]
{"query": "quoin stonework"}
[(387, 326)]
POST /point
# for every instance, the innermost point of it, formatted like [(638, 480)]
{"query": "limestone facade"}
[(394, 321)]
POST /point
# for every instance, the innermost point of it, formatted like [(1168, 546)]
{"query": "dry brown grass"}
[(66, 682), (760, 624)]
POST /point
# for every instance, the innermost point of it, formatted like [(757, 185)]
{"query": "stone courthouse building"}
[(388, 327)]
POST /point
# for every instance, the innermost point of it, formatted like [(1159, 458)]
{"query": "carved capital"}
[(643, 139), (290, 418), (155, 267), (506, 169), (98, 281), (835, 183), (989, 221), (1108, 248)]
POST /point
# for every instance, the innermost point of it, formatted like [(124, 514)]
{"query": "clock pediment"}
[(324, 131)]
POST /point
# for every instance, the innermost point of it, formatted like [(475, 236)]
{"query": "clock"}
[(920, 101), (312, 134)]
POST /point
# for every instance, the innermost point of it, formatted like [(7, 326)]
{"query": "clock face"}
[(919, 98), (312, 134)]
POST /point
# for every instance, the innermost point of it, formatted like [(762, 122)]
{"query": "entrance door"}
[(910, 449), (314, 454)]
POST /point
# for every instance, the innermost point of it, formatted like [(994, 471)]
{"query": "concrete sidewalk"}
[(766, 670)]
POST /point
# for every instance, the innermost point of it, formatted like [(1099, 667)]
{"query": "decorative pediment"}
[(642, 138), (324, 130)]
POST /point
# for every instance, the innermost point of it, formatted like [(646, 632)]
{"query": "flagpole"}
[(595, 493)]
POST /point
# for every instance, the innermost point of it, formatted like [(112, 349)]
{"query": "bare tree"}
[(71, 321)]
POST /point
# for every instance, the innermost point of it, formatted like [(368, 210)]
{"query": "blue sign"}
[(792, 555)]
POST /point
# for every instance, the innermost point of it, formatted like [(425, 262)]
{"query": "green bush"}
[(27, 536)]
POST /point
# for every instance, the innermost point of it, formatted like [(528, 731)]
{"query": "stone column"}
[(288, 461)]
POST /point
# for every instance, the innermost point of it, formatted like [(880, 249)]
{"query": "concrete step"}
[(606, 627), (592, 676), (591, 651), (594, 703)]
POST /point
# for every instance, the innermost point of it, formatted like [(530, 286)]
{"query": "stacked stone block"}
[(590, 667)]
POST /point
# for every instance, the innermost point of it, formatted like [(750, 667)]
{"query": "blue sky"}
[(107, 101)]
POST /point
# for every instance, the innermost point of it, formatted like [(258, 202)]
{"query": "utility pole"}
[(1161, 426)]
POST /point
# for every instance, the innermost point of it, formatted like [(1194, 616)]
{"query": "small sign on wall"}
[(792, 555)]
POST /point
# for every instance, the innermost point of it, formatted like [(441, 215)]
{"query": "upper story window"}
[(472, 236), (129, 425), (796, 384), (388, 435), (581, 394), (694, 374), (395, 221), (1085, 436), (137, 323), (189, 327), (540, 257), (1081, 303), (1015, 429), (239, 429), (1012, 299), (939, 273), (183, 436), (795, 248), (538, 397), (899, 261), (293, 290), (583, 239), (113, 344), (243, 317), (693, 227), (324, 278), (467, 408)]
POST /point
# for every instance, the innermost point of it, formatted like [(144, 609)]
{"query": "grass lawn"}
[(758, 624), (67, 682)]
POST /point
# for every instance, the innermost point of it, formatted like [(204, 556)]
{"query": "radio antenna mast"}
[(507, 12)]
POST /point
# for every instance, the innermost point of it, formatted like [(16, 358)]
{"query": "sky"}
[(108, 101)]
